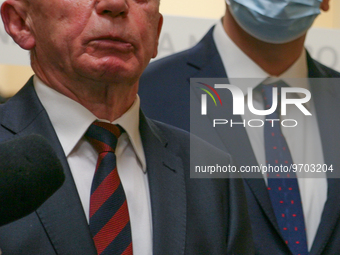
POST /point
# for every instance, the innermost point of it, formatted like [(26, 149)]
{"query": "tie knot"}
[(103, 136)]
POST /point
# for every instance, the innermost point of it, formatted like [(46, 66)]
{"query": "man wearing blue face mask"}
[(264, 39)]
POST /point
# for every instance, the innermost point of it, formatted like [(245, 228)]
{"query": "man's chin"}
[(112, 76), (109, 70)]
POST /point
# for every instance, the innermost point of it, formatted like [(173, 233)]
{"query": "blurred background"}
[(186, 21)]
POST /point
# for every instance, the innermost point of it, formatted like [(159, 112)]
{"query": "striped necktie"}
[(109, 216), (283, 187)]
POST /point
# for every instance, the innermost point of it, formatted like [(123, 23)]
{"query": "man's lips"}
[(110, 44)]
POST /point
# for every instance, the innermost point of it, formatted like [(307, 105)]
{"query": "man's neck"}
[(107, 101), (272, 58)]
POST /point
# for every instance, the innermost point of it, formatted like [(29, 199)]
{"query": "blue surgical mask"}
[(275, 21)]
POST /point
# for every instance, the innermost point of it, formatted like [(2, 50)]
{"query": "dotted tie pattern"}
[(109, 215), (283, 187)]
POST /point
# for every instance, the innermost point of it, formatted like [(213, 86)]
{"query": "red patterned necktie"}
[(283, 187), (109, 216)]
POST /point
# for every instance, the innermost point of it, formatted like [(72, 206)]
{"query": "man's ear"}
[(14, 16), (324, 5), (160, 24)]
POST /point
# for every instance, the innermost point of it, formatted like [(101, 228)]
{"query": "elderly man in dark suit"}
[(263, 40), (128, 187)]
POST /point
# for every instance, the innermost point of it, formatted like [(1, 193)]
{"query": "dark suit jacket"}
[(189, 216), (165, 92), (2, 100)]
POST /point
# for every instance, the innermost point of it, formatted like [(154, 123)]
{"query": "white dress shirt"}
[(70, 121), (303, 140)]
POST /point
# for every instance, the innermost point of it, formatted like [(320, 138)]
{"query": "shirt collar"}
[(71, 120), (130, 122), (235, 61)]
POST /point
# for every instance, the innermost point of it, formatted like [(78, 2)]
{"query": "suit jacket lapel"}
[(62, 214), (206, 61), (167, 191), (326, 98)]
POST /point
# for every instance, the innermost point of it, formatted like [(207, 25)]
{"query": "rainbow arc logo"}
[(204, 97)]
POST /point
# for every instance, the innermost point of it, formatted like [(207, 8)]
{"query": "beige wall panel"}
[(13, 77), (216, 8), (194, 8)]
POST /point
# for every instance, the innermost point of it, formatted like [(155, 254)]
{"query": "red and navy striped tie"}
[(109, 215), (283, 187)]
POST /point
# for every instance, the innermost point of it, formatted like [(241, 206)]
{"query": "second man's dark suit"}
[(165, 92)]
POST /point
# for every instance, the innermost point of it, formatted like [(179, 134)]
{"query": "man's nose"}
[(112, 7)]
